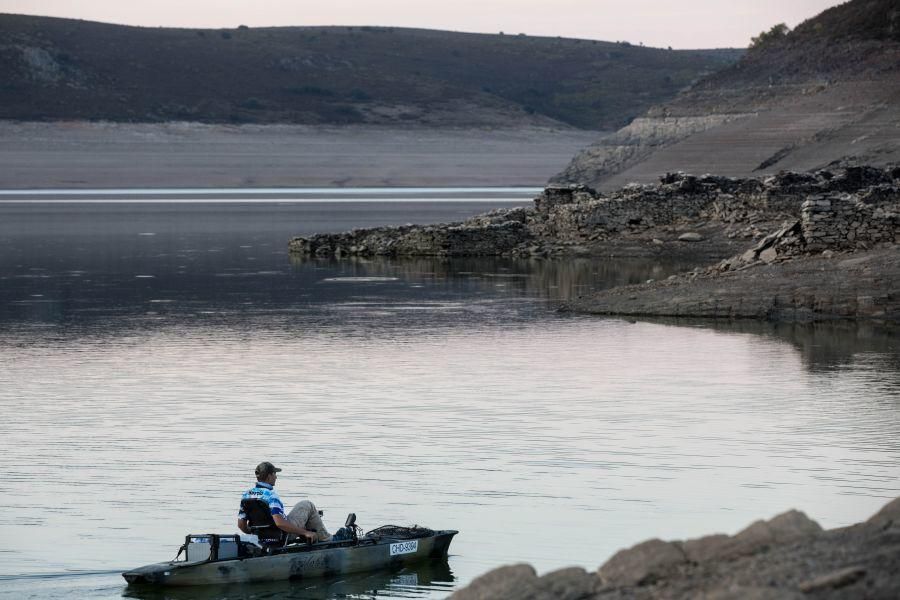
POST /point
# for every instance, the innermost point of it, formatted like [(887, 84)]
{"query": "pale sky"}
[(660, 23)]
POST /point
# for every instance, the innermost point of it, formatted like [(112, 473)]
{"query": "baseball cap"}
[(265, 468)]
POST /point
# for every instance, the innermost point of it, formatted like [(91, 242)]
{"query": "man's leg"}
[(306, 515)]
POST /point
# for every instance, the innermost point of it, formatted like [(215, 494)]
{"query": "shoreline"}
[(82, 155), (855, 285), (794, 247)]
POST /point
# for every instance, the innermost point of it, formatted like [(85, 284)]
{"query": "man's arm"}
[(285, 525), (243, 526)]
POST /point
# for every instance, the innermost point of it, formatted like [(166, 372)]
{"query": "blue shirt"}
[(263, 491)]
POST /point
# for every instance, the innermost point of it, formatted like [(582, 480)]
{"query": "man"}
[(303, 520)]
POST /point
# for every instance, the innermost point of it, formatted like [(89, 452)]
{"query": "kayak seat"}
[(261, 523)]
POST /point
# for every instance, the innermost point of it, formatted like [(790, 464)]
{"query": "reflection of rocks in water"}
[(549, 279), (823, 345), (433, 576)]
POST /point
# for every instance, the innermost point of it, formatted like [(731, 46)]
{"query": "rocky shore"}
[(785, 558), (795, 246)]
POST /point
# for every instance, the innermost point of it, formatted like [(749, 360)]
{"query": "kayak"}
[(225, 559)]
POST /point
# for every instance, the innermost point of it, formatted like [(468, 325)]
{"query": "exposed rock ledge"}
[(705, 217), (843, 285), (802, 246), (840, 259), (787, 557)]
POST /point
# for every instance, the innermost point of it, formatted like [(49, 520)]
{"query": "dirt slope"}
[(827, 92)]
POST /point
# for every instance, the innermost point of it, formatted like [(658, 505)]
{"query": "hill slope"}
[(67, 69), (827, 92)]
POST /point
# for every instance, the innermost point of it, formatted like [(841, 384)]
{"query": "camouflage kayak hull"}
[(302, 562)]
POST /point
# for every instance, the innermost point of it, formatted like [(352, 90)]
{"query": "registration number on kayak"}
[(404, 547)]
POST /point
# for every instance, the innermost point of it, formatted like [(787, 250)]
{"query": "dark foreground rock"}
[(787, 557)]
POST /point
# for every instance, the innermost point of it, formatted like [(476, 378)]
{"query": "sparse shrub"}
[(778, 32), (309, 90), (360, 95), (346, 114), (252, 104), (242, 27)]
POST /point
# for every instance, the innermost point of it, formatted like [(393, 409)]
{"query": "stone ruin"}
[(853, 208)]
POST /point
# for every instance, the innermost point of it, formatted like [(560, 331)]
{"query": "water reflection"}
[(132, 295), (445, 393), (426, 580), (388, 297), (826, 346)]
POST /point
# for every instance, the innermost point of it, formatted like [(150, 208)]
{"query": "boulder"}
[(793, 525), (740, 592), (643, 563), (513, 582), (786, 527), (690, 236), (520, 582), (573, 583), (887, 517), (705, 548), (834, 580)]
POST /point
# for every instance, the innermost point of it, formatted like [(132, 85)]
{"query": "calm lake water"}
[(153, 352)]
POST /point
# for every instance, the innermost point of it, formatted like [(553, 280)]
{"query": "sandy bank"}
[(103, 155)]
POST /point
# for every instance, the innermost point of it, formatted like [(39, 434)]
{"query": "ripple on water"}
[(451, 404)]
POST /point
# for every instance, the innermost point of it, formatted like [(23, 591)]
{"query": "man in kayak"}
[(303, 520)]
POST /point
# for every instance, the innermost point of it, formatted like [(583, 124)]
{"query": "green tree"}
[(777, 32)]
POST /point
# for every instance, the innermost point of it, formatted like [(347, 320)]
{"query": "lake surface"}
[(153, 352)]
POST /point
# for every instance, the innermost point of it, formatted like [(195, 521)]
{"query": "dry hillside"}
[(827, 92)]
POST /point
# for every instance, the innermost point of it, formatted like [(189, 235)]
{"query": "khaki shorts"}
[(306, 515)]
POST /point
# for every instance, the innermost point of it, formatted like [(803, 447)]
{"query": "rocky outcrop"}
[(826, 286), (577, 219), (522, 583), (838, 259), (821, 245), (786, 557), (460, 239)]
